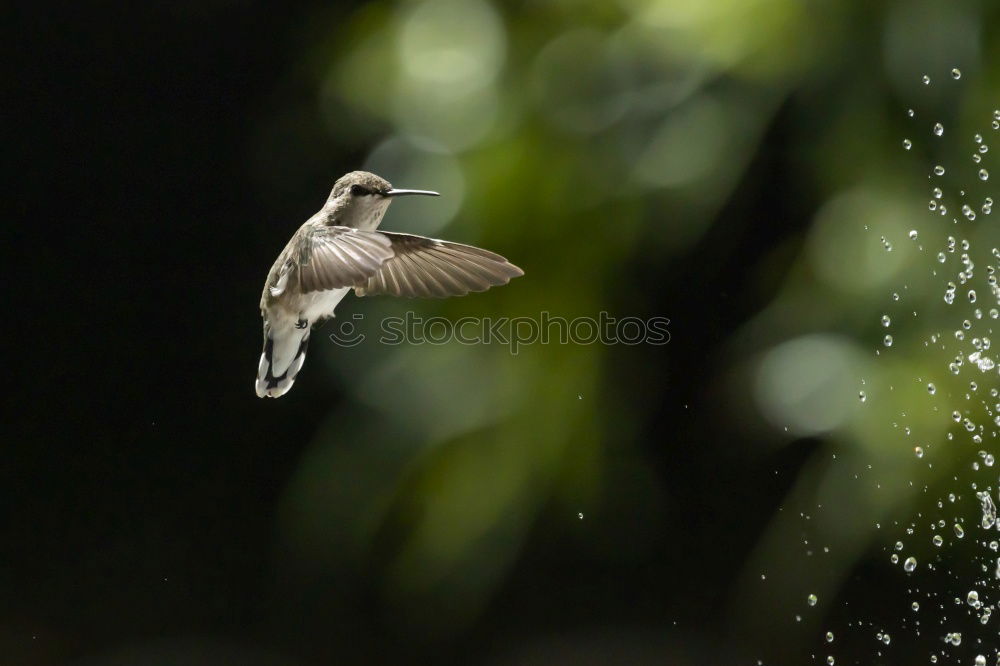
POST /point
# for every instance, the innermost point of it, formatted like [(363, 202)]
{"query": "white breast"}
[(320, 304)]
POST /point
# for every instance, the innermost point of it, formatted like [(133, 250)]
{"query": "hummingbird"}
[(339, 249)]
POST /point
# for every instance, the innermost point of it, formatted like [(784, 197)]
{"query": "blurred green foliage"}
[(574, 137)]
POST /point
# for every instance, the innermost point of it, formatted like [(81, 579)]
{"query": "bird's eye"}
[(358, 190)]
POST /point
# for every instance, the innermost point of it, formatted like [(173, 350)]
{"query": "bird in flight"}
[(339, 249)]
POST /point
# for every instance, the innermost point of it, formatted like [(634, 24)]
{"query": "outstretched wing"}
[(336, 257), (429, 268)]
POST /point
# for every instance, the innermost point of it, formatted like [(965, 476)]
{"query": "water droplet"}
[(829, 637), (888, 341), (907, 144), (915, 606), (918, 451), (931, 388), (938, 170), (937, 540), (989, 509), (938, 129), (959, 530), (913, 234), (862, 396), (956, 73), (984, 174), (910, 564), (886, 321), (812, 599), (937, 192), (926, 79), (972, 598)]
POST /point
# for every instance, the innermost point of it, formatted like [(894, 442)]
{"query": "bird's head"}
[(359, 199)]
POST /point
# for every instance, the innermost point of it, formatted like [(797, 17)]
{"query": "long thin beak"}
[(399, 193)]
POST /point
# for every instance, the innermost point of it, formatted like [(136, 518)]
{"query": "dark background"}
[(143, 479)]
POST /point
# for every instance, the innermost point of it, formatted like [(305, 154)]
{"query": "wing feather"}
[(430, 268), (337, 257)]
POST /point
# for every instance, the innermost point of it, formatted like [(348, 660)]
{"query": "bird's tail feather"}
[(282, 358)]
